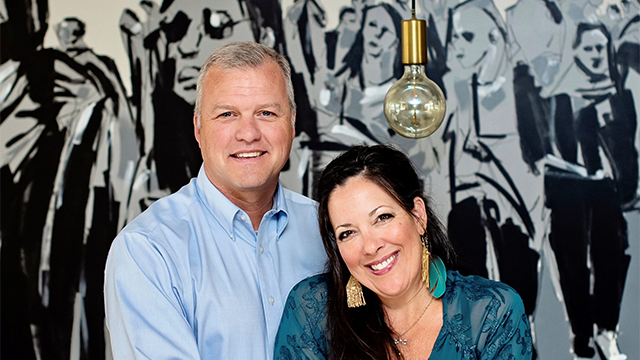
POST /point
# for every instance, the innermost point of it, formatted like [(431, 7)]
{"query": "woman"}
[(377, 300)]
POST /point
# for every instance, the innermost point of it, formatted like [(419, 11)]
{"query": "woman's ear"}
[(420, 213)]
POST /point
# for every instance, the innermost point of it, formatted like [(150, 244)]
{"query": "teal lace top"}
[(482, 319)]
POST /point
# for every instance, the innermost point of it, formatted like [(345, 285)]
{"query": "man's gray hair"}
[(239, 55)]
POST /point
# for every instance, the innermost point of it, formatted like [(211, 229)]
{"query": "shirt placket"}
[(267, 274)]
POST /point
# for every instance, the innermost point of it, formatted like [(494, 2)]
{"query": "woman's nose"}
[(372, 243)]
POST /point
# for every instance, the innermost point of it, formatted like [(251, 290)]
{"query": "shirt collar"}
[(224, 211)]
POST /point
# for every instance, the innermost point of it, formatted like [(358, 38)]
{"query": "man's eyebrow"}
[(271, 104), (223, 107)]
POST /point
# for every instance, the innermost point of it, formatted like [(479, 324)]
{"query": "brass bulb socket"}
[(414, 41)]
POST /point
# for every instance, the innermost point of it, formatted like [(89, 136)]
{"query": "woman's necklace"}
[(399, 339)]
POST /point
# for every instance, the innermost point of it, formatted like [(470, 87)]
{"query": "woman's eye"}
[(384, 217), (345, 234)]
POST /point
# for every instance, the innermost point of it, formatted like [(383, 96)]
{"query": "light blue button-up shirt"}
[(190, 279)]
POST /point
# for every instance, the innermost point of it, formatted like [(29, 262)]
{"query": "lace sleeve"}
[(303, 328), (510, 336)]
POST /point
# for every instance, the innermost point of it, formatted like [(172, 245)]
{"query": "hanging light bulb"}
[(414, 106)]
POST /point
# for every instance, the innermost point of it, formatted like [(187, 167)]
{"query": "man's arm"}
[(147, 303)]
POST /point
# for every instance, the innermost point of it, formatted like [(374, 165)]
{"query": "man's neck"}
[(254, 202)]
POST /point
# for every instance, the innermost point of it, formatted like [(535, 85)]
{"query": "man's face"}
[(194, 31), (246, 128), (592, 51), (471, 28)]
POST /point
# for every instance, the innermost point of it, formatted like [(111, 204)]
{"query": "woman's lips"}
[(383, 266)]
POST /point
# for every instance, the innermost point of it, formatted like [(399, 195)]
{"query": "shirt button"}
[(272, 300), (261, 249), (243, 218), (231, 236)]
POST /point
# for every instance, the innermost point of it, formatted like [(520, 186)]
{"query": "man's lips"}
[(384, 262), (248, 154)]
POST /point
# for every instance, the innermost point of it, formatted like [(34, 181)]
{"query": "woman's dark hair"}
[(353, 58), (362, 333)]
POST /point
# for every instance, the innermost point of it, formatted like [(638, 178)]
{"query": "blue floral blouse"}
[(482, 319)]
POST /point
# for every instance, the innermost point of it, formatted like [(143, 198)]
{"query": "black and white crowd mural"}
[(535, 169)]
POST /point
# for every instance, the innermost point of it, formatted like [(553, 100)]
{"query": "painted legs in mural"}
[(591, 176), (589, 238)]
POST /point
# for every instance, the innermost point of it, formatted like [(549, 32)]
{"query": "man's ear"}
[(196, 128)]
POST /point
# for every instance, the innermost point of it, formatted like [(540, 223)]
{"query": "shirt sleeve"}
[(511, 338), (303, 329), (146, 307)]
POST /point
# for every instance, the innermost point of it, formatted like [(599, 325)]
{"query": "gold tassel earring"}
[(355, 297), (425, 258)]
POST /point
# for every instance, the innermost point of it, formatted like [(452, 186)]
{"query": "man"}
[(204, 273), (166, 53)]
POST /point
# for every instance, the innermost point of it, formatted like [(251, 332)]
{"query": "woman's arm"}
[(303, 327)]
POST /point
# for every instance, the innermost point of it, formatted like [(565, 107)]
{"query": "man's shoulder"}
[(170, 211), (301, 207), (298, 199)]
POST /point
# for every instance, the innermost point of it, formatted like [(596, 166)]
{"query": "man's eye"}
[(225, 114), (267, 113)]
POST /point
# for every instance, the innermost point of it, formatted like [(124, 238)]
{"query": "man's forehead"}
[(268, 67)]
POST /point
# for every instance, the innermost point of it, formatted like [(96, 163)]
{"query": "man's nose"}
[(189, 45), (248, 129)]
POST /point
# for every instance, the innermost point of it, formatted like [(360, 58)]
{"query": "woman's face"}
[(379, 34), (378, 240)]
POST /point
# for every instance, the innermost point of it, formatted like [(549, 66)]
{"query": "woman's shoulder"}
[(308, 296), (483, 313), (476, 288), (313, 284)]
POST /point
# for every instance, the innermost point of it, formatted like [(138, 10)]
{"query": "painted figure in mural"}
[(584, 141), (490, 218), (218, 257), (349, 99), (165, 56), (69, 148), (542, 49), (380, 233), (30, 153)]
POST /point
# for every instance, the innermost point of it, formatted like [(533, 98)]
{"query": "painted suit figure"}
[(586, 142)]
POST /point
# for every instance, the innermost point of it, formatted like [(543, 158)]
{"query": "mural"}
[(535, 166)]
